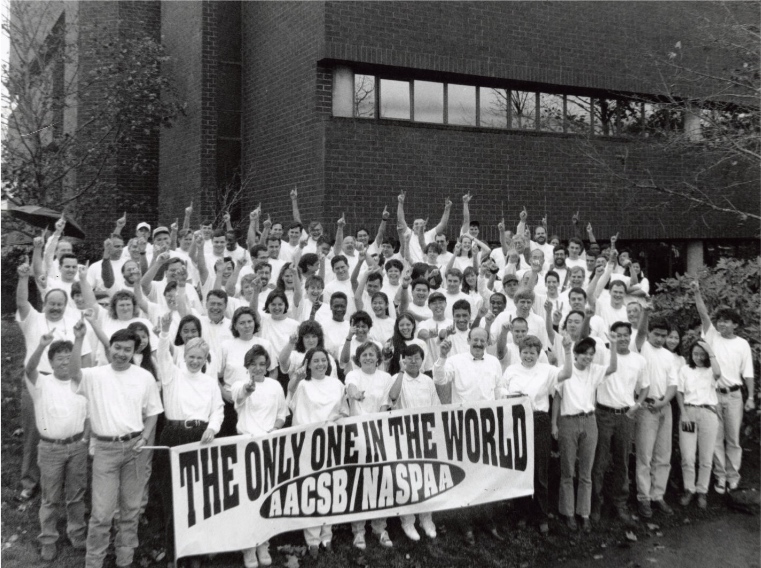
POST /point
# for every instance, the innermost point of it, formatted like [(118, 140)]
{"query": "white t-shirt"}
[(316, 401), (258, 411), (232, 357), (618, 391), (118, 401), (538, 382), (334, 333), (472, 381), (95, 278), (416, 252), (660, 369), (35, 325), (423, 312), (376, 388), (609, 314), (338, 286), (697, 385), (296, 360), (418, 392), (277, 332), (578, 392), (733, 356), (111, 326), (451, 299), (59, 410), (382, 329)]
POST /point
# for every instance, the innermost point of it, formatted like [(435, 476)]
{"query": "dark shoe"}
[(664, 508), (314, 550), (625, 517), (644, 510), (702, 501), (686, 499), (544, 528), (48, 552), (470, 538), (570, 522), (586, 525), (326, 546)]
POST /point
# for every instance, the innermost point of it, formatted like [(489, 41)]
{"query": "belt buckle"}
[(188, 427)]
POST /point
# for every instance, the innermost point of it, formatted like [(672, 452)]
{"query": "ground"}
[(718, 536)]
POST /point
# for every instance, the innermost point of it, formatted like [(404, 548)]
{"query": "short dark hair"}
[(190, 318), (276, 293), (295, 225), (338, 258), (394, 263), (254, 250), (66, 256), (243, 310), (307, 259), (273, 239), (219, 233), (412, 349), (577, 290), (253, 353), (364, 347), (619, 324), (617, 283), (125, 334), (221, 294), (585, 345), (60, 346), (309, 327), (361, 317), (373, 276), (418, 281), (338, 296), (728, 314), (659, 323), (461, 305), (552, 273)]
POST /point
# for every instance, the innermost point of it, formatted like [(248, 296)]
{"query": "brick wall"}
[(372, 162), (282, 138), (586, 44)]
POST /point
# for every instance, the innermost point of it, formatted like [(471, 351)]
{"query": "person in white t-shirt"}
[(309, 335), (367, 391), (315, 396), (735, 358), (360, 325), (260, 405), (616, 410), (699, 424), (576, 431), (416, 252), (528, 376), (123, 404), (61, 415), (334, 323)]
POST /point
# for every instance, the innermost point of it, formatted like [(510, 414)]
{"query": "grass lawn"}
[(523, 546)]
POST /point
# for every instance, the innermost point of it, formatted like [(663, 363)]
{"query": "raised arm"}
[(157, 262), (404, 292), (381, 228), (359, 303), (233, 280), (521, 228), (227, 221), (188, 215), (442, 226), (266, 226), (295, 205), (22, 289), (705, 318), (567, 370), (39, 269), (253, 226), (590, 234), (106, 268), (548, 321), (173, 229), (362, 255), (400, 212), (613, 363), (75, 361), (166, 365), (31, 366), (642, 325), (120, 223), (346, 348), (465, 214), (339, 235)]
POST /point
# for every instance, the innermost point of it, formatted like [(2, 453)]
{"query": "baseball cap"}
[(436, 296), (159, 230), (509, 277), (143, 225)]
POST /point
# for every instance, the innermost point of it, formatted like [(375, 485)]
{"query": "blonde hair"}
[(197, 343)]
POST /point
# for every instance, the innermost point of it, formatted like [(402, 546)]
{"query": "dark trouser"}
[(172, 435), (614, 438), (30, 470), (229, 423), (483, 515), (537, 506)]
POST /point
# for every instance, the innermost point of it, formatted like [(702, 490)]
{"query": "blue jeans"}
[(614, 441), (117, 481), (62, 466), (653, 441), (727, 455), (577, 437), (30, 471)]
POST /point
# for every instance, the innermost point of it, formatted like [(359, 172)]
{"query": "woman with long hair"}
[(308, 336), (315, 397), (699, 423), (404, 334)]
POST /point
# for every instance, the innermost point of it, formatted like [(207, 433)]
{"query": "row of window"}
[(488, 107)]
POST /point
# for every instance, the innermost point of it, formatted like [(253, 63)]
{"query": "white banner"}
[(237, 492)]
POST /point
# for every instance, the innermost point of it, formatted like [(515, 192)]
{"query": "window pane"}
[(577, 111), (364, 96), (550, 112), (429, 102), (662, 118), (493, 107), (461, 105), (523, 107), (604, 117), (395, 99), (629, 119)]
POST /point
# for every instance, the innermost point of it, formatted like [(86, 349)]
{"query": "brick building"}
[(353, 101)]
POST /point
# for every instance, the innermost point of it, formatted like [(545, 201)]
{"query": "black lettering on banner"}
[(351, 455), (412, 427), (253, 471), (396, 429), (210, 480), (368, 446), (230, 497), (453, 433), (297, 445), (378, 441), (189, 476), (428, 423), (318, 449), (505, 444), (472, 435), (488, 429), (283, 465), (519, 428), (269, 463), (373, 488), (335, 436)]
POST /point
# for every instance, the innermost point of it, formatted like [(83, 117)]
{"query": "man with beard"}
[(559, 254), (540, 235)]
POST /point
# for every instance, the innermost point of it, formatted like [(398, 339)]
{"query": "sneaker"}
[(384, 540), (359, 541), (470, 538), (25, 495), (411, 533), (663, 507), (544, 528), (686, 499), (644, 510), (733, 485), (263, 552), (314, 550), (327, 546), (702, 501), (48, 552), (721, 486), (249, 558), (586, 525), (570, 522), (428, 528)]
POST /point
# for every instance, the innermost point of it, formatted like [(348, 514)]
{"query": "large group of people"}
[(183, 335)]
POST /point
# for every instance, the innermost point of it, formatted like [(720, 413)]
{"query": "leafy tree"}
[(82, 102)]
